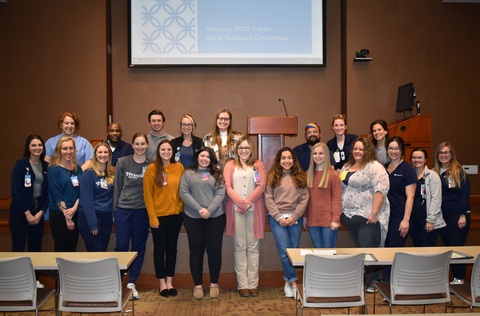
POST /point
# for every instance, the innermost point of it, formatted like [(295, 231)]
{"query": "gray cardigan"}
[(433, 190)]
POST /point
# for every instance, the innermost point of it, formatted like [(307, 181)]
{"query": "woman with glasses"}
[(286, 198), (245, 181), (185, 146), (426, 218), (223, 138), (455, 204), (379, 130), (403, 182), (341, 144)]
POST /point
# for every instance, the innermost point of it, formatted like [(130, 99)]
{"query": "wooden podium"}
[(271, 131), (415, 132)]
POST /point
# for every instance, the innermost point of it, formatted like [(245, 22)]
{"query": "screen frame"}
[(404, 105), (131, 64)]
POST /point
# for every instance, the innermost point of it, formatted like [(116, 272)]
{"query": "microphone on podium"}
[(284, 107)]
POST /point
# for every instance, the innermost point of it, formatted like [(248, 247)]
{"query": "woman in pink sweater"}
[(322, 217)]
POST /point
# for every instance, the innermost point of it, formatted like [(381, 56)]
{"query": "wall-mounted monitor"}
[(405, 98), (226, 33)]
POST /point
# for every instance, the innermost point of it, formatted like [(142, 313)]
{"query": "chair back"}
[(86, 284), (475, 282), (420, 274), (333, 276), (17, 284)]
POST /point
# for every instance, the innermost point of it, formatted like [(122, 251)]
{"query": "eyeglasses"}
[(244, 148), (441, 153), (186, 125), (224, 119), (417, 158), (394, 149)]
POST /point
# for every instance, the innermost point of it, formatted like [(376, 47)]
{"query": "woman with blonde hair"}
[(245, 181), (64, 190), (322, 217), (222, 139), (95, 216), (185, 146), (455, 202), (286, 198)]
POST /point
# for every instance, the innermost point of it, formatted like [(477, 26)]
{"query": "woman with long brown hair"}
[(286, 198)]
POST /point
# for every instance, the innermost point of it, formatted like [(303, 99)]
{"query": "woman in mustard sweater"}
[(160, 190)]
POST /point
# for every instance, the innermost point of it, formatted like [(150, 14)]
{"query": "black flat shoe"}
[(165, 293), (172, 292)]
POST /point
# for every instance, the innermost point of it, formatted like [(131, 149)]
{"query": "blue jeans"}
[(323, 237), (286, 237)]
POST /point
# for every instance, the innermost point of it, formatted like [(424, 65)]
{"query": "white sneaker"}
[(457, 281), (40, 285), (134, 291), (288, 290), (294, 290)]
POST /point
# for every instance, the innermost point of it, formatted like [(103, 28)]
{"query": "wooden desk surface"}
[(385, 256), (46, 260)]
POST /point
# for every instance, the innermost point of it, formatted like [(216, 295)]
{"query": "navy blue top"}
[(22, 197), (401, 177), (303, 153), (123, 149), (344, 153), (94, 197), (455, 200), (419, 210), (179, 151), (61, 187)]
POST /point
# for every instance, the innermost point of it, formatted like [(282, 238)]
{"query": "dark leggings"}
[(165, 239), (205, 235)]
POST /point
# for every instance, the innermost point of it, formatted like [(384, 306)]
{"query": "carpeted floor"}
[(271, 301)]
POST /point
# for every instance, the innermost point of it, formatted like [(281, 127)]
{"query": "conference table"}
[(47, 260), (384, 256)]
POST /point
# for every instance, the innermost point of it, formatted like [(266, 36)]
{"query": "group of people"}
[(215, 185)]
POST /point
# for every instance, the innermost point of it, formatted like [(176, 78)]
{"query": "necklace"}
[(393, 166)]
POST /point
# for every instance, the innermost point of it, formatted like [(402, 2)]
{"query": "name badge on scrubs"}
[(74, 181), (28, 180), (144, 168), (205, 176), (451, 183)]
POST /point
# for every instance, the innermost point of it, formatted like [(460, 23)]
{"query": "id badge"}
[(74, 181), (164, 178), (343, 175), (256, 176), (28, 180), (103, 184), (423, 190), (336, 156), (144, 168), (205, 176), (451, 183)]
